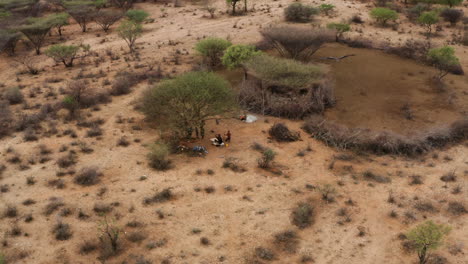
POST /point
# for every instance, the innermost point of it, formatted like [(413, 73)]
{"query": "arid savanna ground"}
[(214, 214)]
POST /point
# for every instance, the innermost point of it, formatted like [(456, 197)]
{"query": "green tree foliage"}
[(58, 21), (63, 53), (326, 8), (426, 237), (382, 15), (36, 31), (340, 28), (25, 7), (443, 59), (212, 50), (106, 18), (136, 15), (267, 158), (427, 19), (130, 31), (83, 12), (8, 41), (188, 101), (297, 12), (235, 55)]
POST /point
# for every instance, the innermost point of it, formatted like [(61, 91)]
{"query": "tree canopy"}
[(235, 55), (187, 101), (427, 236)]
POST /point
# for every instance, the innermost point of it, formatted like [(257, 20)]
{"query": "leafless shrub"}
[(457, 208), (287, 241), (425, 207), (297, 42), (281, 132), (10, 211), (87, 247), (6, 119), (67, 160), (102, 208), (88, 176), (264, 253), (123, 83), (384, 142), (53, 205), (233, 164), (449, 177), (62, 231), (136, 237), (369, 175), (160, 197), (13, 95)]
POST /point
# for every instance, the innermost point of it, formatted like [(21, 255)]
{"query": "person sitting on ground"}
[(219, 139)]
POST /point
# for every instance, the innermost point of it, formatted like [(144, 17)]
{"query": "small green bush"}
[(157, 156), (340, 29), (297, 12), (326, 8), (235, 55), (382, 15), (212, 50), (267, 158)]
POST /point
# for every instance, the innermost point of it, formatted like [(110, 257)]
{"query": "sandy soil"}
[(246, 209)]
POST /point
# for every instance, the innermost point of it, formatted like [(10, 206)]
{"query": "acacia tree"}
[(130, 31), (426, 237), (106, 18), (58, 21), (443, 59), (297, 42), (428, 19), (36, 32), (63, 53), (83, 15), (382, 15), (8, 41), (188, 101)]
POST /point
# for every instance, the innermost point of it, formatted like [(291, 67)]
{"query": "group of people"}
[(219, 141)]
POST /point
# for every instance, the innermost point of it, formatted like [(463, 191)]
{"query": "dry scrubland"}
[(70, 185)]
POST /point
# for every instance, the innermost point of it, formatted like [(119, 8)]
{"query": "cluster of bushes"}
[(385, 142)]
